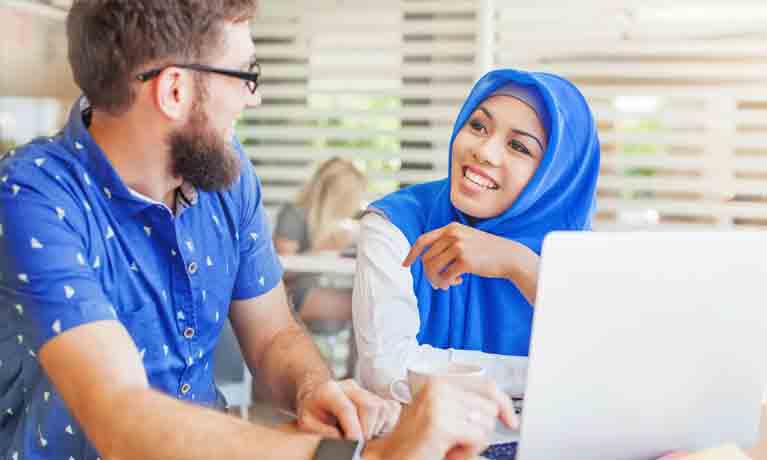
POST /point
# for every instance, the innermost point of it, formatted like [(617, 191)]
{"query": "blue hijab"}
[(491, 314)]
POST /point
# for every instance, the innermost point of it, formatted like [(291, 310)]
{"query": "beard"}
[(202, 157)]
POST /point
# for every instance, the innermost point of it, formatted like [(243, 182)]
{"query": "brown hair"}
[(111, 40)]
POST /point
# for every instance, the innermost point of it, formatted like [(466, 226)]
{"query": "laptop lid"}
[(644, 343)]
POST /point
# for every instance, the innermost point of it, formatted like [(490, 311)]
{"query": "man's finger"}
[(347, 416), (314, 425), (379, 422), (392, 414), (372, 411), (370, 407), (506, 407), (386, 416), (489, 390), (368, 417), (507, 413), (472, 440), (420, 244)]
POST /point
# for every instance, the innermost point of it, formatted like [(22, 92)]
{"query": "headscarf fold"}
[(490, 314)]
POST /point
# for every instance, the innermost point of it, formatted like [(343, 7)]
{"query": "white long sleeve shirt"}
[(387, 320)]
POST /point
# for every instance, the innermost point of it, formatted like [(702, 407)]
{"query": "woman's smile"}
[(476, 177)]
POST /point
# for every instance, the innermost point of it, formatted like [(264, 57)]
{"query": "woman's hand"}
[(450, 251)]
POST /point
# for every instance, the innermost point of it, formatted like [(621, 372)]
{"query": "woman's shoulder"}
[(409, 209), (410, 200)]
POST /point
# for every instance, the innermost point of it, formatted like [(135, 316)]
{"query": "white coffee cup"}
[(403, 390)]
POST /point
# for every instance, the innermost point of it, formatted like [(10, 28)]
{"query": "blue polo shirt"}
[(77, 246)]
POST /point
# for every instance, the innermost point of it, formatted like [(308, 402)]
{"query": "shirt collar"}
[(79, 140), (186, 196)]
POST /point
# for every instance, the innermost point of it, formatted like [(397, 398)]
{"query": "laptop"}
[(644, 343)]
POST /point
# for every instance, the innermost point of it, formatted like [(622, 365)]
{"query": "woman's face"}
[(494, 156)]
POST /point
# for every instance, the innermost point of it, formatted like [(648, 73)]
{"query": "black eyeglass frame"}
[(251, 78)]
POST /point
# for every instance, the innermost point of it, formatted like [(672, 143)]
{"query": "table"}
[(333, 270), (320, 263)]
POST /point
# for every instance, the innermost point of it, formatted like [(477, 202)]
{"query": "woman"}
[(448, 270), (320, 221)]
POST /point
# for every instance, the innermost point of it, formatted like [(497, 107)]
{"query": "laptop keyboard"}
[(506, 451)]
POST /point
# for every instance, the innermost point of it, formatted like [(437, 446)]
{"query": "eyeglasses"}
[(250, 77)]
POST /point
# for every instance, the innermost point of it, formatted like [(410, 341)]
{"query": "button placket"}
[(190, 267)]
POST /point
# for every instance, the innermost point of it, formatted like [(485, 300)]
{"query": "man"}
[(130, 237)]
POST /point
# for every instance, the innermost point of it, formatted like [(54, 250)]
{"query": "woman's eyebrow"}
[(514, 130)]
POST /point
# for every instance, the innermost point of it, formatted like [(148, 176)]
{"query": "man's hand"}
[(446, 420), (344, 409)]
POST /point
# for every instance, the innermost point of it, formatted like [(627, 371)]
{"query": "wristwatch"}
[(339, 449)]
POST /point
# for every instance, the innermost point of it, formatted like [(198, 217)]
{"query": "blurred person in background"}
[(320, 221)]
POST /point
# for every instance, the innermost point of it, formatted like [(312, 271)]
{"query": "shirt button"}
[(185, 388), (189, 333), (192, 268)]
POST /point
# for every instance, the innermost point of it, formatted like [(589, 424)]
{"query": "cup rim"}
[(469, 369)]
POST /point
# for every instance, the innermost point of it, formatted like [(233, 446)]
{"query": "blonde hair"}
[(331, 195)]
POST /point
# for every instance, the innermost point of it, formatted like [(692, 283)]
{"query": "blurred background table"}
[(320, 263), (334, 338)]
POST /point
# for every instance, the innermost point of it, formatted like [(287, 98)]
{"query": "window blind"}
[(678, 92)]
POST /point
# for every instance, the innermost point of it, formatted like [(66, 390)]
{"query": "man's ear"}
[(173, 93)]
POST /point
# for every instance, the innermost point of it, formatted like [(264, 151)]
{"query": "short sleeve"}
[(260, 269), (45, 281)]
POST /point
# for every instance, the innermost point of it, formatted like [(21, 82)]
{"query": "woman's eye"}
[(477, 125), (519, 147)]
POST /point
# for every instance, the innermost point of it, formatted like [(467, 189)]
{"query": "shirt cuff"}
[(263, 277), (52, 322)]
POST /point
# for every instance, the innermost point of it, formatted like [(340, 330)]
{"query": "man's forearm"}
[(150, 425), (290, 361)]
